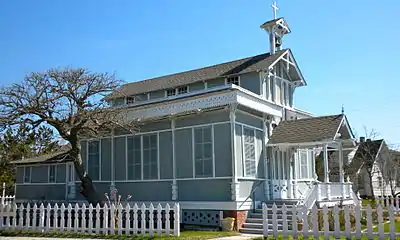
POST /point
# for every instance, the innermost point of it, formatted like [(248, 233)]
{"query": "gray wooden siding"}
[(204, 190), (157, 94), (106, 159), (120, 158), (249, 120), (40, 192), (146, 191), (196, 86), (166, 155), (183, 146), (204, 118), (222, 150), (215, 82), (251, 82)]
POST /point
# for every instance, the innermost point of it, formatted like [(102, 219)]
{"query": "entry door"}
[(70, 188), (279, 182)]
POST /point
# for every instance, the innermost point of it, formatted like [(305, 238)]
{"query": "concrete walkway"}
[(240, 237)]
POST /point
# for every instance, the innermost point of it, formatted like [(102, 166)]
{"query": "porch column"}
[(326, 172), (112, 186), (235, 182), (294, 172), (174, 182), (341, 171), (267, 182), (289, 155)]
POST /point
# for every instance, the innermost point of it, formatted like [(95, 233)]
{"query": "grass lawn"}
[(185, 235), (386, 227)]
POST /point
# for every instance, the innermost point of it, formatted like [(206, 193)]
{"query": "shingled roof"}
[(245, 65), (306, 130), (55, 157)]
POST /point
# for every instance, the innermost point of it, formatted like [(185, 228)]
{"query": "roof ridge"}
[(318, 117), (210, 66)]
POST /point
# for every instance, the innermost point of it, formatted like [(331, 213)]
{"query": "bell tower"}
[(276, 29)]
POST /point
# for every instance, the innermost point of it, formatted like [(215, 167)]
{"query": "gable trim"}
[(288, 53)]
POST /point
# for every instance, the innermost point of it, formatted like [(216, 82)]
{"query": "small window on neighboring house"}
[(233, 80), (27, 174), (130, 100), (182, 90), (171, 92), (52, 173)]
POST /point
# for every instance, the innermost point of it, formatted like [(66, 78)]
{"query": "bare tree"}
[(69, 100), (391, 171)]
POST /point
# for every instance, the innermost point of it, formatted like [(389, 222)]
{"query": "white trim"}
[(249, 126), (213, 149), (141, 158), (193, 155), (203, 178), (243, 154), (173, 148), (249, 114), (158, 156), (47, 183), (230, 205), (285, 145), (205, 85)]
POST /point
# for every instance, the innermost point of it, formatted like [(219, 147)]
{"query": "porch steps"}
[(254, 220)]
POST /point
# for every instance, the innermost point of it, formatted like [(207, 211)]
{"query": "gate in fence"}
[(129, 219)]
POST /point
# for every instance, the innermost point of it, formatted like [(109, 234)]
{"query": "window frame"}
[(49, 173), (30, 174), (134, 164), (130, 100), (176, 91), (244, 157), (149, 163), (88, 154), (227, 82), (203, 159), (308, 164)]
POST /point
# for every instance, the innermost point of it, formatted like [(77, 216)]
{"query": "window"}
[(249, 152), (27, 174), (171, 92), (233, 80), (177, 91), (52, 173), (134, 160), (182, 90), (303, 164), (93, 161), (150, 157), (272, 87), (203, 146), (130, 100)]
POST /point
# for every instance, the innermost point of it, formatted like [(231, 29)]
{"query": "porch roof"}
[(50, 158), (310, 130)]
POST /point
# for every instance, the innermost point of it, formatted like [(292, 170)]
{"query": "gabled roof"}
[(55, 157), (368, 149), (245, 65), (307, 130)]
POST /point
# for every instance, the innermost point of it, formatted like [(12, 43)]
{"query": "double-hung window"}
[(203, 148), (27, 174), (150, 157), (177, 91), (305, 165), (249, 152), (134, 161), (52, 173), (93, 160)]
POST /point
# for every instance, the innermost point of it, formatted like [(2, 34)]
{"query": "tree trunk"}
[(87, 189), (370, 184)]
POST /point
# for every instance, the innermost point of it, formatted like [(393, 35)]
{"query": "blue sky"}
[(347, 50)]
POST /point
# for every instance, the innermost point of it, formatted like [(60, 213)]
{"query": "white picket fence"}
[(129, 219), (386, 201), (6, 199), (346, 221)]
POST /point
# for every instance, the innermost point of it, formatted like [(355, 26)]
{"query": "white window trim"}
[(176, 91), (30, 174), (87, 158), (226, 80), (55, 173), (308, 164)]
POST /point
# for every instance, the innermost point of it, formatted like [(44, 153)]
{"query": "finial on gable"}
[(342, 109)]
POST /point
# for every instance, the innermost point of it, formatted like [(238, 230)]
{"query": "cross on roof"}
[(274, 8)]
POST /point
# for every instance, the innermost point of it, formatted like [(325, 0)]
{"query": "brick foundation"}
[(239, 216)]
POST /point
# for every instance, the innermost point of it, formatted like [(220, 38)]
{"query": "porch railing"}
[(333, 191)]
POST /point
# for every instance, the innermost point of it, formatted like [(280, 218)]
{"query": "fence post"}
[(326, 222), (274, 221), (151, 219), (62, 215), (392, 223), (128, 219), (167, 222), (136, 219), (48, 217), (380, 222), (69, 217), (55, 216), (177, 220), (336, 211), (34, 216), (314, 216), (284, 220), (159, 220), (21, 217), (265, 220), (369, 222), (120, 212), (143, 215), (83, 223), (14, 222), (41, 219), (305, 221), (347, 224)]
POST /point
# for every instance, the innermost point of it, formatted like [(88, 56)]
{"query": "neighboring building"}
[(371, 169), (219, 138)]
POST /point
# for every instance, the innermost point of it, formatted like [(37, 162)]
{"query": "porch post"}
[(174, 190), (294, 171), (267, 183), (341, 171), (235, 182), (289, 172), (112, 186), (326, 172)]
